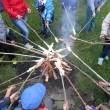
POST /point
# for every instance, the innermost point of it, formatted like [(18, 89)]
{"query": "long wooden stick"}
[(36, 33), (23, 48), (85, 74), (74, 88), (19, 55), (23, 36), (88, 42), (70, 50), (19, 83), (36, 66)]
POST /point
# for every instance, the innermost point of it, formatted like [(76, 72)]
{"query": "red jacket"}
[(15, 7)]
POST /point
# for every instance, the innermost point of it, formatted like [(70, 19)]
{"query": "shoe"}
[(14, 62), (106, 58), (28, 46), (100, 61)]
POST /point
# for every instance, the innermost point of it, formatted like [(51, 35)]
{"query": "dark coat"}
[(4, 102)]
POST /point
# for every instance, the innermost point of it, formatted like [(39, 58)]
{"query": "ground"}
[(90, 92)]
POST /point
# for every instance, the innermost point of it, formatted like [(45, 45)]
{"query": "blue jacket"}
[(49, 9), (93, 4), (73, 4)]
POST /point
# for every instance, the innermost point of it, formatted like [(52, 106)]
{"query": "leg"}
[(92, 24), (43, 25), (22, 26), (1, 49), (11, 49), (106, 49), (88, 18)]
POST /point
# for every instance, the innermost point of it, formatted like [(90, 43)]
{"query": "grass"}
[(89, 55)]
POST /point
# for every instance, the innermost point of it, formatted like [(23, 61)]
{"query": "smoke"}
[(68, 22)]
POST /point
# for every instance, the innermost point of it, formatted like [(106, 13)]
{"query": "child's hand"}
[(47, 23), (102, 36), (66, 106), (98, 9), (88, 107), (93, 15), (19, 16), (14, 96), (10, 88), (12, 42), (29, 10)]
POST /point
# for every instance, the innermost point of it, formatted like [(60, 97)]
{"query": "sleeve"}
[(37, 4), (105, 25), (8, 9), (4, 102), (91, 4), (102, 3), (49, 10), (26, 5)]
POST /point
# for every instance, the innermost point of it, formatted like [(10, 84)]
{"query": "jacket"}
[(4, 102), (94, 4), (73, 4), (49, 9), (2, 30), (106, 26), (15, 7)]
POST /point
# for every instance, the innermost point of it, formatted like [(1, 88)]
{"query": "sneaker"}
[(106, 58), (28, 46), (100, 61), (14, 62)]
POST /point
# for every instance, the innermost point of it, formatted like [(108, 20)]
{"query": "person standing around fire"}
[(46, 12), (105, 34), (93, 8), (17, 10), (69, 9)]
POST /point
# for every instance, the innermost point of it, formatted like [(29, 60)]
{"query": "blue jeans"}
[(22, 26)]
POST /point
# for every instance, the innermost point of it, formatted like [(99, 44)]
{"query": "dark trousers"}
[(106, 49), (45, 28), (7, 49)]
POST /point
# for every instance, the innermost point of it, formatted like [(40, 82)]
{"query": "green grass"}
[(89, 55)]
